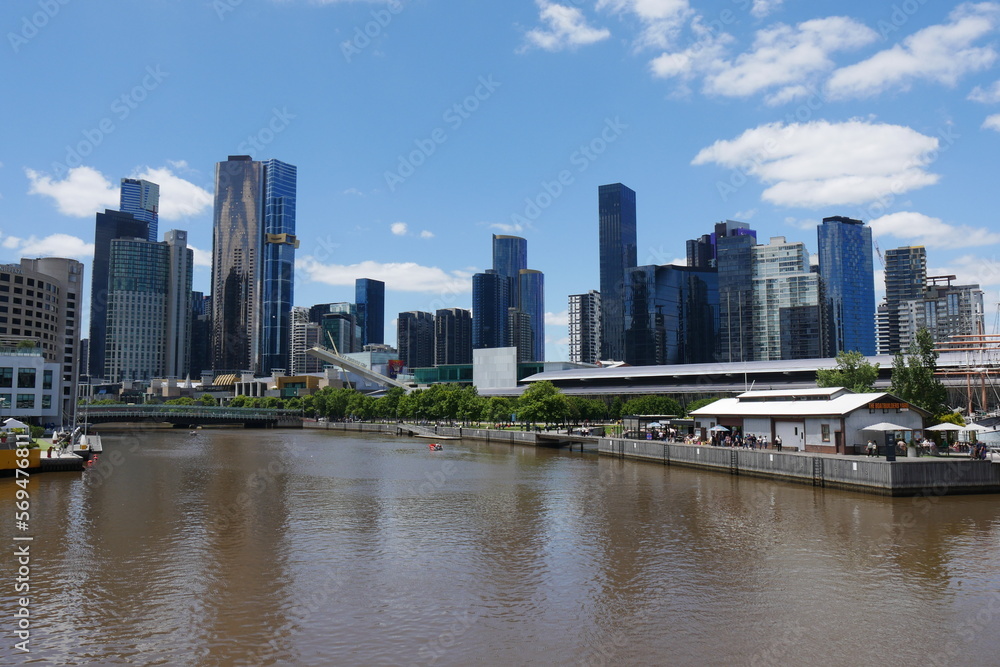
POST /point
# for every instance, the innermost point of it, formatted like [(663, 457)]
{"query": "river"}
[(243, 547)]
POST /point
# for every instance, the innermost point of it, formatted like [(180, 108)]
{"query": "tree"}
[(208, 400), (913, 378), (852, 372), (700, 403), (652, 405), (542, 402)]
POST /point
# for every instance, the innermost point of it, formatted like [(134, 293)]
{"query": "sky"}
[(420, 127)]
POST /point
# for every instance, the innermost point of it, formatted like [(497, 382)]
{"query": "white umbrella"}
[(974, 427), (886, 426), (653, 425), (945, 427), (11, 423), (718, 428)]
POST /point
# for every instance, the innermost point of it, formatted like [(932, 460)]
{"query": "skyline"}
[(449, 124)]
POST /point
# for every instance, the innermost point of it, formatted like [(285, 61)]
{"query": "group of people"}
[(750, 441)]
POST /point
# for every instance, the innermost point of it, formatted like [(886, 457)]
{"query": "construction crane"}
[(878, 251)]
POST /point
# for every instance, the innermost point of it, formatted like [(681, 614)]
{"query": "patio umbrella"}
[(945, 427), (653, 425), (974, 427), (718, 428), (886, 426)]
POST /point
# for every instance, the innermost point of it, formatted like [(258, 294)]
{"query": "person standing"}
[(777, 442)]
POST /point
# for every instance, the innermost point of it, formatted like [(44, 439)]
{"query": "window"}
[(6, 377), (5, 403), (47, 380), (25, 401), (825, 432), (46, 401), (26, 378)]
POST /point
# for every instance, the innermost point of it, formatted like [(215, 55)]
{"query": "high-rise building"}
[(305, 335), (339, 326), (845, 265), (531, 290), (452, 336), (519, 333), (490, 294), (905, 280), (137, 310), (109, 225), (142, 199), (50, 316), (617, 249), (671, 315), (180, 266), (252, 264), (510, 256), (944, 310), (585, 327), (787, 322), (280, 242), (415, 339), (201, 335), (369, 294), (734, 263)]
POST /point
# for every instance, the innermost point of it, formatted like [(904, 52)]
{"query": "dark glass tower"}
[(905, 280), (369, 294), (109, 225), (415, 339), (617, 244), (489, 310), (845, 265), (532, 302), (734, 244), (277, 286), (238, 229), (510, 255), (141, 199), (452, 336)]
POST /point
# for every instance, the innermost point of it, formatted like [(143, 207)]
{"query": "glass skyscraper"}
[(490, 294), (277, 287), (452, 336), (531, 288), (142, 199), (510, 255), (905, 280), (369, 294), (585, 327), (415, 339), (845, 265), (617, 246)]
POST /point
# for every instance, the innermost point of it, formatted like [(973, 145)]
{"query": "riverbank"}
[(921, 476)]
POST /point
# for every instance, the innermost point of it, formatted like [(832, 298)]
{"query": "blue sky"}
[(419, 128)]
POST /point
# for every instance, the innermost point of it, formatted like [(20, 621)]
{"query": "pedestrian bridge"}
[(192, 415)]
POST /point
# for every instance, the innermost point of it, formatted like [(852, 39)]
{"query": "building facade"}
[(616, 212), (585, 327), (490, 295), (415, 338), (786, 303), (180, 266), (452, 336), (734, 261), (369, 295), (142, 199), (845, 265), (278, 265), (531, 300), (905, 280)]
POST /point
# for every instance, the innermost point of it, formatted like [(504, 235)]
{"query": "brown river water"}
[(244, 547)]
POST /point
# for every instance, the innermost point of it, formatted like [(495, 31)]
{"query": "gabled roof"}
[(840, 402)]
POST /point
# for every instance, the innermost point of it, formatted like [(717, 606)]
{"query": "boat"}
[(435, 447)]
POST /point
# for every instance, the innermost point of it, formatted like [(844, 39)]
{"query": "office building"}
[(617, 249), (531, 302), (490, 294), (305, 335), (905, 280), (180, 265), (40, 301), (369, 295), (945, 310), (671, 315), (585, 327), (252, 264), (452, 336), (510, 256), (339, 326), (142, 199), (734, 243), (201, 335), (415, 339), (519, 333), (787, 322), (108, 226), (845, 265)]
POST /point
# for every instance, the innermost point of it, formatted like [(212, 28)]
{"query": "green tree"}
[(700, 403), (652, 405), (541, 401), (183, 400), (498, 410), (852, 372), (208, 400), (913, 378)]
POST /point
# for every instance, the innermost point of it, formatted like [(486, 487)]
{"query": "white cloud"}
[(506, 228), (941, 53), (992, 122), (920, 229), (705, 55), (566, 27), (971, 270), (989, 95), (557, 319), (201, 257), (53, 245), (353, 191), (397, 276), (762, 8), (86, 191), (425, 234), (399, 228), (821, 163), (783, 55), (662, 20)]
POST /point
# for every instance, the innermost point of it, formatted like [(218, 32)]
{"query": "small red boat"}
[(435, 447)]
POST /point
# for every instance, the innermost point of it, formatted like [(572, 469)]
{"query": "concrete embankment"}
[(903, 477)]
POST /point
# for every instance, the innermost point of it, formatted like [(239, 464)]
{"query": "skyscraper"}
[(617, 245), (279, 247), (142, 199), (786, 303), (108, 226), (585, 327), (734, 244), (510, 256), (490, 295), (415, 339), (252, 264), (905, 280), (180, 265), (305, 335), (531, 290), (452, 336), (845, 265), (369, 294)]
